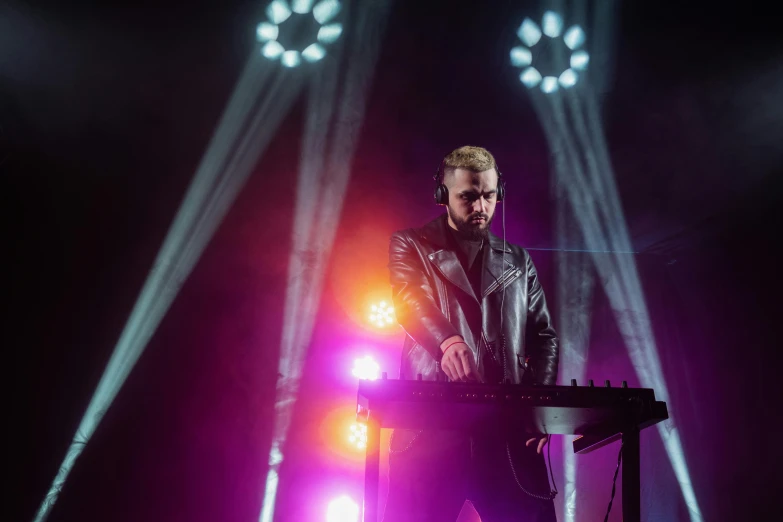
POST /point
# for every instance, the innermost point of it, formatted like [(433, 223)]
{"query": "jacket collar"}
[(446, 261)]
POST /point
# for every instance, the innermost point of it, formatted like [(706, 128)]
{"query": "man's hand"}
[(541, 443), (458, 363)]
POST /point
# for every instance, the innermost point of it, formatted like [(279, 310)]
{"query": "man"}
[(473, 310)]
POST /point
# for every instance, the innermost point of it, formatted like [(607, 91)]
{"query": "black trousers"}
[(432, 473)]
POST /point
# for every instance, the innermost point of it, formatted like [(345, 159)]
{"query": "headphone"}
[(442, 192)]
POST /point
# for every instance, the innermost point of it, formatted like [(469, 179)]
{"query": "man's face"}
[(472, 200)]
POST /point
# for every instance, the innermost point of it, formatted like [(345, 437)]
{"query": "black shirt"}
[(470, 253)]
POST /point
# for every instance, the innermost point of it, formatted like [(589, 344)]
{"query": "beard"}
[(468, 230)]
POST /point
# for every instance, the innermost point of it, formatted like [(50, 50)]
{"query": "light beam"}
[(575, 136), (245, 129), (334, 118)]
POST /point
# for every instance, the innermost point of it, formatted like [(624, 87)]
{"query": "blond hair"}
[(476, 159)]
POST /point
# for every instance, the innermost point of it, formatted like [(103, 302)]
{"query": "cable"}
[(503, 268), (407, 447), (552, 492), (503, 298), (614, 482), (551, 474)]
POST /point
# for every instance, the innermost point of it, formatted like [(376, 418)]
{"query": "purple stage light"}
[(366, 368), (342, 509)]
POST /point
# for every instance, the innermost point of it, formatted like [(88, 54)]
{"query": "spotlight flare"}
[(342, 509), (381, 315), (366, 368)]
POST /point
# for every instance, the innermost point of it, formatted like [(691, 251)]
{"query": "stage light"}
[(358, 435), (530, 34), (326, 10), (342, 438), (266, 31), (302, 6), (552, 24), (313, 53), (272, 50), (382, 315), (579, 60), (366, 368), (329, 33), (568, 78), (521, 56), (530, 77), (549, 84), (342, 509), (291, 59), (279, 11), (574, 38)]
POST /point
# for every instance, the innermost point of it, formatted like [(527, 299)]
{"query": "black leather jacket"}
[(433, 300)]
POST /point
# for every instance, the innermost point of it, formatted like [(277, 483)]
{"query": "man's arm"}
[(414, 302), (541, 337)]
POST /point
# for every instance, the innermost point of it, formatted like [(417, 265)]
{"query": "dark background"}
[(105, 112)]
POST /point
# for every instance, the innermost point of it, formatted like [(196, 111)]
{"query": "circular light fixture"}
[(278, 11), (358, 435), (531, 34), (382, 315)]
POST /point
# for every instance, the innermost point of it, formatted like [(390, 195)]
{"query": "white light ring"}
[(279, 10)]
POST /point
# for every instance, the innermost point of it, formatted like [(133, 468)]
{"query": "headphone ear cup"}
[(501, 194), (441, 195)]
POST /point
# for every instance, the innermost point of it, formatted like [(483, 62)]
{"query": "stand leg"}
[(631, 479), (372, 464)]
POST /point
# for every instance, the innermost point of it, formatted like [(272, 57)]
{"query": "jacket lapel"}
[(494, 268), (448, 264), (444, 258)]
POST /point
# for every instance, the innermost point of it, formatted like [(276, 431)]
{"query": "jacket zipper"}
[(506, 279)]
